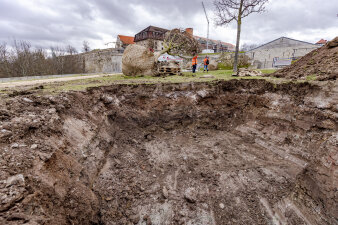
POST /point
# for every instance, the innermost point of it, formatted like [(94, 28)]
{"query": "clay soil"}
[(234, 152)]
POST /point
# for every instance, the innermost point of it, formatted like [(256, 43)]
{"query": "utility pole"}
[(206, 15)]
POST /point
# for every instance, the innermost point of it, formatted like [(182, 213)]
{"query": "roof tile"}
[(127, 39)]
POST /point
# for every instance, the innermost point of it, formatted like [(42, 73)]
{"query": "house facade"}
[(216, 46), (279, 52), (151, 37)]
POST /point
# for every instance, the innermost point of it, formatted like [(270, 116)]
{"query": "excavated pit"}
[(235, 152)]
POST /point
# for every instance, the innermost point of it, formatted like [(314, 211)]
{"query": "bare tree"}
[(85, 46), (230, 10), (248, 47), (57, 59), (23, 59), (4, 63), (71, 50)]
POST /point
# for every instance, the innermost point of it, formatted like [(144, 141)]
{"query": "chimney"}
[(190, 31)]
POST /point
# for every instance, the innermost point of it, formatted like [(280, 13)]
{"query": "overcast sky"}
[(59, 22)]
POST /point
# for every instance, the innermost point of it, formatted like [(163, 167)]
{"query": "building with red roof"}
[(123, 41), (321, 42)]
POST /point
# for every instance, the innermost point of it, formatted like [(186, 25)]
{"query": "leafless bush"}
[(21, 59), (3, 60), (248, 47), (227, 61)]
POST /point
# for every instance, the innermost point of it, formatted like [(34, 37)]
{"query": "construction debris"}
[(245, 72), (169, 68)]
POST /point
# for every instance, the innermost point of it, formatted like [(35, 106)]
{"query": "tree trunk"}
[(239, 23)]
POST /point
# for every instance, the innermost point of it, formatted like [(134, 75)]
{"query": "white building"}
[(279, 52)]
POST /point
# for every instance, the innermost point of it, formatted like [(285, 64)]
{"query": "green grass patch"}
[(268, 71), (79, 85), (217, 53), (222, 66), (311, 77), (83, 84)]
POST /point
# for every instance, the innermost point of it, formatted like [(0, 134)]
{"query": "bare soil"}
[(234, 152), (322, 64)]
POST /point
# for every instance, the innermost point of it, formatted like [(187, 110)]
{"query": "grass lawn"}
[(82, 84), (267, 71), (121, 79)]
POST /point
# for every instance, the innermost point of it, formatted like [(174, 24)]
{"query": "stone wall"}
[(103, 61)]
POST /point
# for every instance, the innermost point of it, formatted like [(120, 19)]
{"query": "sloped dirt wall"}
[(235, 152)]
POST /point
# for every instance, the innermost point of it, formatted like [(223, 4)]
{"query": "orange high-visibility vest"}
[(205, 61), (194, 60)]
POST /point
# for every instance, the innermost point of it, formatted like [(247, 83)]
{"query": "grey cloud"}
[(63, 21), (284, 17)]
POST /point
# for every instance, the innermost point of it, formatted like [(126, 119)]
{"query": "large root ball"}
[(138, 60), (213, 65)]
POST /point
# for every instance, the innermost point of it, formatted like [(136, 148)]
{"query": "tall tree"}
[(71, 50), (230, 10)]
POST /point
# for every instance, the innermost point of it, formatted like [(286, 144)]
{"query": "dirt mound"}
[(320, 64), (235, 152), (138, 60)]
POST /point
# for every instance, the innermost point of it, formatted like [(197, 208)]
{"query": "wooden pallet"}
[(164, 70)]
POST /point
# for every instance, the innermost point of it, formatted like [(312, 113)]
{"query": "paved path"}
[(44, 81)]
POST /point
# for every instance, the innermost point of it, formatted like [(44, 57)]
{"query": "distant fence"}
[(281, 62)]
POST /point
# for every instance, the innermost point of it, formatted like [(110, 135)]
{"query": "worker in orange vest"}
[(206, 64), (194, 63)]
